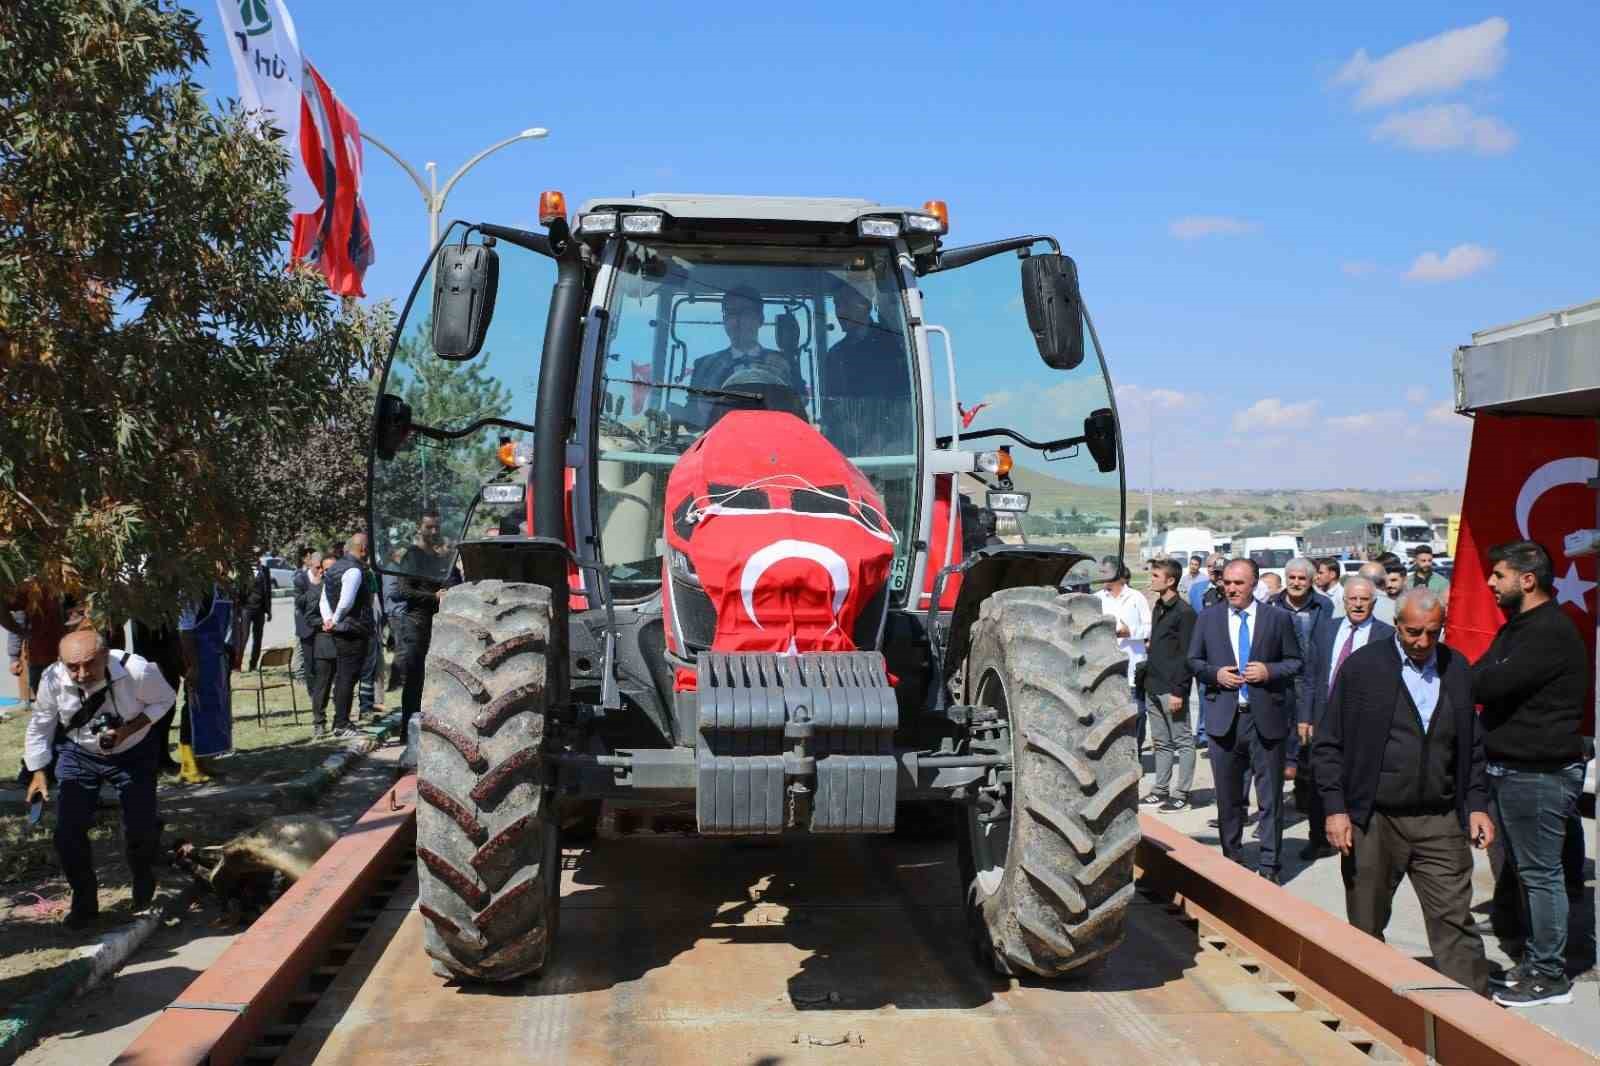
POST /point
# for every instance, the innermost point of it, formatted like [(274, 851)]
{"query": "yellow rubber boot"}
[(188, 770)]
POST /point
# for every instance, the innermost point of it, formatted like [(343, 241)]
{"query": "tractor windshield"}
[(697, 331)]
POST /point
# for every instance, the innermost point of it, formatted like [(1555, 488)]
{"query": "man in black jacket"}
[(1532, 683), (1167, 676), (257, 609), (420, 589), (1400, 765)]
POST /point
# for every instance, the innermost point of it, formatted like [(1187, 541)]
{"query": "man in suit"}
[(1246, 657), (742, 319), (257, 609), (1399, 760), (1333, 641)]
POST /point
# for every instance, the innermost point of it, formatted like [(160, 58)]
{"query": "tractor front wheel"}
[(488, 849), (1047, 850)]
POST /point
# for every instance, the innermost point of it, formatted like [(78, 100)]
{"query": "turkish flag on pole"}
[(335, 237), (1527, 479)]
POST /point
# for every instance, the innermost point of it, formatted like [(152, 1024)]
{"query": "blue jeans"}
[(1533, 808)]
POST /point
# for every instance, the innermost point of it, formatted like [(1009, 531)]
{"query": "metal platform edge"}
[(1406, 1005), (227, 1008), (1409, 1006)]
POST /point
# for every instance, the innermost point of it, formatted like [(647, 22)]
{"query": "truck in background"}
[(1180, 542), (1271, 553)]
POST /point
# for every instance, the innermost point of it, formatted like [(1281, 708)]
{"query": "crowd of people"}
[(1403, 755), (101, 715)]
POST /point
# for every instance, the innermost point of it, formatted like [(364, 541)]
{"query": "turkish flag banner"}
[(335, 237), (787, 539), (1527, 479)]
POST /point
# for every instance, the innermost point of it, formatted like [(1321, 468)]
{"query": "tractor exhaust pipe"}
[(558, 373)]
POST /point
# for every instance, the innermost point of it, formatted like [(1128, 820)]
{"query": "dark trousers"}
[(411, 642), (1533, 809), (1235, 757), (255, 621), (322, 671), (350, 653), (372, 655), (1433, 851), (308, 661), (1308, 799), (397, 673), (80, 773)]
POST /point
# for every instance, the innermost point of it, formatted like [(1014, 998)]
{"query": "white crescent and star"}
[(1573, 470)]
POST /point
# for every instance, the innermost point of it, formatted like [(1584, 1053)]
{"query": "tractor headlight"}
[(883, 228), (642, 225), (597, 222), (996, 463)]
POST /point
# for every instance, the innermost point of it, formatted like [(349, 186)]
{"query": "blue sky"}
[(1284, 221)]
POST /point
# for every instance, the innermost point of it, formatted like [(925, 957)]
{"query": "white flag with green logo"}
[(266, 56)]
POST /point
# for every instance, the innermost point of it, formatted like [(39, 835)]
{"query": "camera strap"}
[(92, 704)]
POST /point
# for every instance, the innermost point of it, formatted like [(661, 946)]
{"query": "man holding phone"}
[(1399, 762), (93, 714)]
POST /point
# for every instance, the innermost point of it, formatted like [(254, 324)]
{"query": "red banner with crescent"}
[(1527, 479)]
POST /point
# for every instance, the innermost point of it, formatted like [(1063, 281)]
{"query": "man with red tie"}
[(1332, 642)]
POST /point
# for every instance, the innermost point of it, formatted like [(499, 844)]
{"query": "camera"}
[(103, 728)]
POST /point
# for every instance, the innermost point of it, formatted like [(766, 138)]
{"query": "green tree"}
[(153, 342)]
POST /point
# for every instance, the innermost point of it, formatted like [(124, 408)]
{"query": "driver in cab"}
[(743, 357), (866, 385)]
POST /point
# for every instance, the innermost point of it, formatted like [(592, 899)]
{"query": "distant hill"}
[(1226, 509)]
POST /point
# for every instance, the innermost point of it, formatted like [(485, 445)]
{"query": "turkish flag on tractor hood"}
[(1527, 479)]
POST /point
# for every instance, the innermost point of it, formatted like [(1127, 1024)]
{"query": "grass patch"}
[(32, 945)]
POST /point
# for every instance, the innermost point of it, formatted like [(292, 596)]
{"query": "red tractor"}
[(727, 576)]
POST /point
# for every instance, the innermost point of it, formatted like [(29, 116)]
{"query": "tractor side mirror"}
[(465, 278), (1100, 434), (1055, 308), (393, 426)]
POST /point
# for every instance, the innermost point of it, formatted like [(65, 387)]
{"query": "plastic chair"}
[(275, 658)]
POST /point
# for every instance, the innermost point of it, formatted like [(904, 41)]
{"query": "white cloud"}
[(1444, 414), (1358, 268), (1140, 398), (1459, 262), (1273, 414), (1366, 421), (1416, 395), (1192, 227), (1428, 67), (1444, 127)]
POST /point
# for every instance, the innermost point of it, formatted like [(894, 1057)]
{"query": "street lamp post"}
[(433, 197)]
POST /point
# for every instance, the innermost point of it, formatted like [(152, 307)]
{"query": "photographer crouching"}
[(92, 715)]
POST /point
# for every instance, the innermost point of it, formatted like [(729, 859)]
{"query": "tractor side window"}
[(1002, 384), (698, 331), (471, 479)]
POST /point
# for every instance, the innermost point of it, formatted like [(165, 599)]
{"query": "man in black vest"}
[(1399, 760), (346, 607)]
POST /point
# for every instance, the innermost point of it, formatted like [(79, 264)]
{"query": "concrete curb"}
[(21, 1022)]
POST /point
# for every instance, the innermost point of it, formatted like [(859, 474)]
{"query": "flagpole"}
[(433, 197)]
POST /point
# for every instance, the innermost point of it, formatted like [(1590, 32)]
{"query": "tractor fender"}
[(994, 567)]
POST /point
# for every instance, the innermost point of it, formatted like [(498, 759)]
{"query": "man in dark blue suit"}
[(1332, 642), (1245, 656)]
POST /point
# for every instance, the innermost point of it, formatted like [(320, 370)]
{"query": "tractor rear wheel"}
[(1046, 853), (488, 849)]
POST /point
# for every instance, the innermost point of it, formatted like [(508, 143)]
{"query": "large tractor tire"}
[(1047, 857), (488, 848)]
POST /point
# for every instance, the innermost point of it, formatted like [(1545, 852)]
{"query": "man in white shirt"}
[(1131, 613), (1327, 580), (103, 707)]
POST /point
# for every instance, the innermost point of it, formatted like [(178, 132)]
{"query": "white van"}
[(1180, 542), (1271, 554)]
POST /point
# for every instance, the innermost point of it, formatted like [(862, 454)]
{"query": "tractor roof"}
[(709, 207)]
